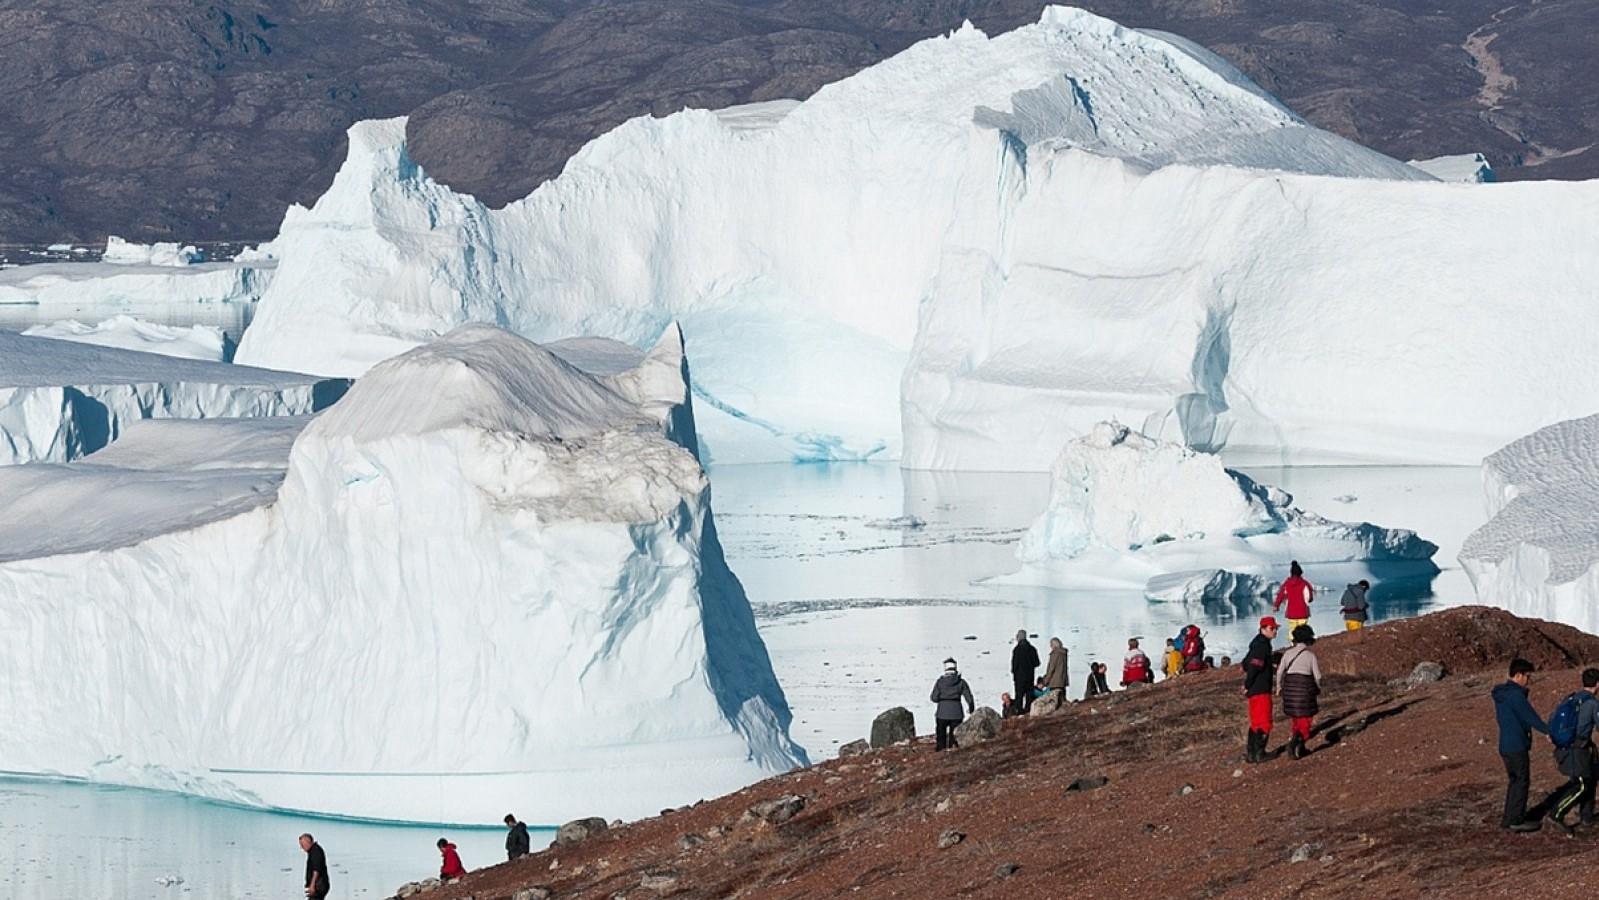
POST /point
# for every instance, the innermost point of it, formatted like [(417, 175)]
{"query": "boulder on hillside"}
[(579, 830), (1049, 703), (893, 726), (980, 726), (854, 748)]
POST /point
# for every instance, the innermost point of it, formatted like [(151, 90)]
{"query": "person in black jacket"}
[(1023, 667), (1258, 683), (316, 868), (948, 692), (516, 839), (1517, 720), (1096, 681)]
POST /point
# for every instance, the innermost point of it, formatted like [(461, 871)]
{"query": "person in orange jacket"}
[(1298, 593), (452, 867)]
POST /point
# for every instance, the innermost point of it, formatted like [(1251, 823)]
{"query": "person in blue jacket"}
[(1517, 720)]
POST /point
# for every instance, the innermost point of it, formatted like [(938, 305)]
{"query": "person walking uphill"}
[(1298, 593), (1517, 720), (948, 692), (1571, 731), (517, 844), (1023, 668), (1354, 606), (316, 868), (1299, 683), (452, 867), (1258, 683)]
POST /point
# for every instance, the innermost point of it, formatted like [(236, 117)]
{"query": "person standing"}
[(517, 844), (1571, 731), (316, 868), (1298, 593), (1354, 605), (452, 867), (1055, 677), (948, 692), (1299, 683), (1258, 683), (1135, 665), (1023, 668), (1517, 720)]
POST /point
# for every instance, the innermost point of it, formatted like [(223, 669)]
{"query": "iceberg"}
[(490, 571), (1471, 168), (204, 342), (133, 283), (1133, 512), (60, 400), (796, 243), (1538, 554), (126, 253)]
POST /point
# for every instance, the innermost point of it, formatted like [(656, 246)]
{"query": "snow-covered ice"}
[(205, 342), (1538, 554), (1472, 168), (127, 253), (484, 576), (1125, 509), (61, 400), (108, 285)]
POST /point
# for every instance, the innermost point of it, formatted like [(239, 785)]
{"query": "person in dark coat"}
[(948, 692), (1023, 667), (1258, 683), (1517, 720), (516, 839), (1299, 683), (316, 868), (1355, 607), (1096, 681), (1577, 760)]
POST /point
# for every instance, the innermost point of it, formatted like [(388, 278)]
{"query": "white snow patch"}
[(1472, 168), (116, 284), (484, 573), (1538, 554), (205, 342)]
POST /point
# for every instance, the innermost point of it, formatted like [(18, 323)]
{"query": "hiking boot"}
[(1525, 825), (1563, 825), (1257, 747), (1296, 748)]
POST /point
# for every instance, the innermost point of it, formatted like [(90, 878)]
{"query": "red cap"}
[(1268, 622)]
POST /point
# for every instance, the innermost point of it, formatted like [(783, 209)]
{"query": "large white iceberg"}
[(132, 283), (61, 400), (796, 243), (1130, 511), (488, 576), (1538, 554), (206, 342)]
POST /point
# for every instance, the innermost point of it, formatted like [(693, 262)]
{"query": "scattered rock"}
[(944, 805), (949, 838), (1149, 828), (1304, 853), (833, 779), (892, 726), (1425, 673), (856, 748), (982, 725), (579, 830), (616, 823), (1238, 773), (1184, 791), (411, 889), (659, 880), (532, 893), (1088, 783), (777, 811), (689, 841), (1006, 870), (1047, 704)]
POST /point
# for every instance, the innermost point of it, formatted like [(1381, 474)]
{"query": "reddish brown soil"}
[(1400, 798)]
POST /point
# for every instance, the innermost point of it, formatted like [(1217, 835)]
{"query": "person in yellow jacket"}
[(1174, 659)]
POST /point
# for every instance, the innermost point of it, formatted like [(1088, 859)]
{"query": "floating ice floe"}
[(1538, 554), (204, 342), (1133, 512), (489, 574)]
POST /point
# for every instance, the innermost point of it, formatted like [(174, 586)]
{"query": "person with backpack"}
[(1298, 593), (1096, 681), (1571, 731), (1135, 665), (1354, 605), (1517, 720), (452, 867), (948, 692), (1258, 683), (517, 843), (1023, 665), (1299, 683)]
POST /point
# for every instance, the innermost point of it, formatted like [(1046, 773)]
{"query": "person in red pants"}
[(1258, 684), (1299, 683)]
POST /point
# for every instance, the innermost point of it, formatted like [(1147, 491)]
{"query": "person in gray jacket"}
[(1354, 606), (1299, 683), (948, 692)]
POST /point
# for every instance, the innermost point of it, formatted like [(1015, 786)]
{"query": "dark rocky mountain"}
[(157, 119)]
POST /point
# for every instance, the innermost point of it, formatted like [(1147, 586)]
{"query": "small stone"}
[(944, 805), (969, 637), (892, 726), (616, 823), (949, 838), (713, 832), (579, 830), (1326, 859), (659, 880), (777, 811), (1088, 783), (1149, 828), (1184, 791), (1238, 773), (532, 893), (854, 748), (833, 779), (1303, 853), (689, 841), (1006, 870)]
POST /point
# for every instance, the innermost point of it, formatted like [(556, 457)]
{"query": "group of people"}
[(1570, 733), (517, 845), (1296, 678)]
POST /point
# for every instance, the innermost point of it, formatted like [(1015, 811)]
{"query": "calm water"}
[(863, 579)]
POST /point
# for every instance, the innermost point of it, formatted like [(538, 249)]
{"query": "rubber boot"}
[(1257, 747), (1296, 748)]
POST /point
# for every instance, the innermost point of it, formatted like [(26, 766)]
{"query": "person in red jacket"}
[(1297, 591), (452, 867)]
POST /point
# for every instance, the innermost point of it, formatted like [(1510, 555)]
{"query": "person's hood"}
[(1059, 650), (948, 678), (1506, 690), (1356, 588), (449, 846)]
